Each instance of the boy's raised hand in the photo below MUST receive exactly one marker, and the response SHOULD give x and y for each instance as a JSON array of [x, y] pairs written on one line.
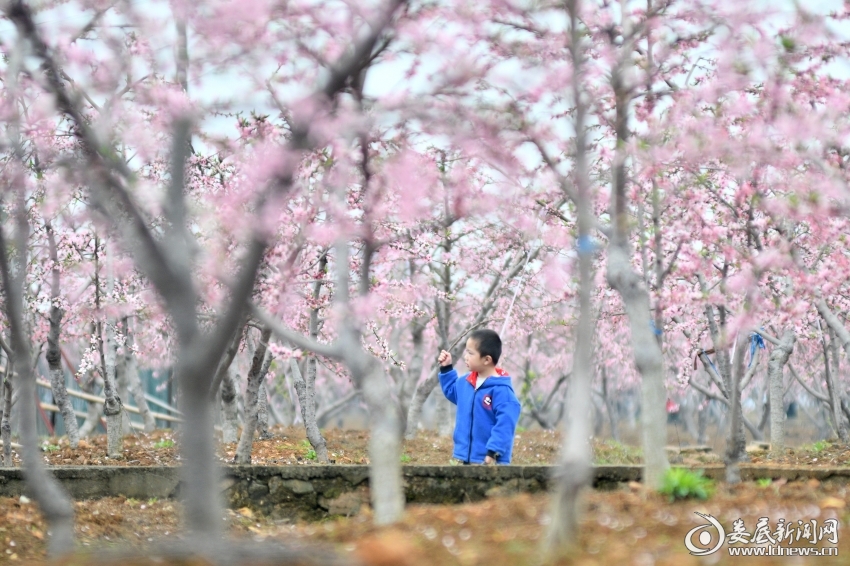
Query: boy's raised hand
[[445, 359]]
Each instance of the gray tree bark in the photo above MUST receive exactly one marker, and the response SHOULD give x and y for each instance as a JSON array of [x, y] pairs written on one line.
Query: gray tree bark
[[134, 383], [574, 471], [307, 401], [609, 407], [834, 399], [230, 414], [843, 336], [841, 427], [281, 407], [420, 395], [112, 406], [702, 425], [123, 387], [305, 388], [227, 361], [263, 412], [718, 338], [93, 410], [6, 421], [54, 354], [735, 444], [384, 445], [835, 324], [255, 377], [633, 292], [775, 377], [54, 503], [413, 373]]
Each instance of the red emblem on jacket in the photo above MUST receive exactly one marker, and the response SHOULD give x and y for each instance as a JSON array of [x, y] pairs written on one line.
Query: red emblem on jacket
[[488, 402]]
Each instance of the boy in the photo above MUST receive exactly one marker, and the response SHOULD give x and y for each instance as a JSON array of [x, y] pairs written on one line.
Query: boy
[[487, 407]]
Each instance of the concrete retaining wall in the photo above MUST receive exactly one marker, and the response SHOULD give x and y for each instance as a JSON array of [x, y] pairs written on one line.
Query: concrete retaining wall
[[312, 492]]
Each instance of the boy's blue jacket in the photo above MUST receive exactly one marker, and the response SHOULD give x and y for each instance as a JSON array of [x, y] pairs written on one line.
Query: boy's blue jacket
[[486, 418]]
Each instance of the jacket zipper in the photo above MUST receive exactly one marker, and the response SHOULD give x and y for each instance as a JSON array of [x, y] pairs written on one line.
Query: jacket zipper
[[471, 415]]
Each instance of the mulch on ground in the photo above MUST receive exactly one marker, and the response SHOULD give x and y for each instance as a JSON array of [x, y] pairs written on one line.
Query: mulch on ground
[[289, 446], [629, 525]]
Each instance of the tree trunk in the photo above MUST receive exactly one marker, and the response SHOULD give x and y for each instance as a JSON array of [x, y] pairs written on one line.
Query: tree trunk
[[307, 401], [573, 474], [420, 395], [121, 382], [6, 423], [735, 444], [281, 408], [702, 423], [834, 398], [635, 296], [93, 410], [414, 370], [574, 471], [230, 421], [841, 429], [444, 416], [306, 388], [255, 379], [54, 355], [112, 406], [134, 384], [263, 413], [835, 324], [718, 335], [225, 384], [609, 407], [775, 377], [385, 479], [54, 503], [227, 361], [648, 360]]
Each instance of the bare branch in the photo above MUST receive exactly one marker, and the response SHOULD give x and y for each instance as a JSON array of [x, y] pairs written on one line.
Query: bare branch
[[770, 338], [705, 391], [810, 390], [295, 338]]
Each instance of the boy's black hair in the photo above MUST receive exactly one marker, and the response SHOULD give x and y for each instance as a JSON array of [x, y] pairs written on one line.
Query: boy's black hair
[[488, 343]]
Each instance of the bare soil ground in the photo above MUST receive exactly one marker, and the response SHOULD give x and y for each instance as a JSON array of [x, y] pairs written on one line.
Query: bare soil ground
[[629, 525], [626, 526], [290, 446]]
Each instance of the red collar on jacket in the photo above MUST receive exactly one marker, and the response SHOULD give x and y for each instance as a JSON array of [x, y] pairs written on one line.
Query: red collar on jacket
[[473, 376]]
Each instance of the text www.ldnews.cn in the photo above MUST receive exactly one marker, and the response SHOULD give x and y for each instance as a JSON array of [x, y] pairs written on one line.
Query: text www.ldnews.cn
[[781, 551]]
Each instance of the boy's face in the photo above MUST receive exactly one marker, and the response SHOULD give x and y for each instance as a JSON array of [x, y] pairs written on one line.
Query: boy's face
[[473, 359]]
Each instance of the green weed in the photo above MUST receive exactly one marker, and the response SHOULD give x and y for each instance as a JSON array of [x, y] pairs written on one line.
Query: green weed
[[611, 452], [405, 459], [681, 483], [164, 443], [764, 482]]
